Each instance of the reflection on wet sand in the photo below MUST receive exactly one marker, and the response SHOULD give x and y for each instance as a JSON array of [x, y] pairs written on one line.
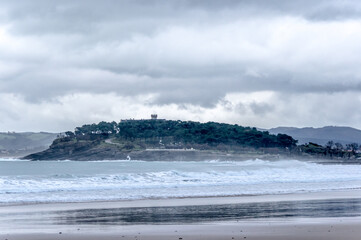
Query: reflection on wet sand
[[207, 213]]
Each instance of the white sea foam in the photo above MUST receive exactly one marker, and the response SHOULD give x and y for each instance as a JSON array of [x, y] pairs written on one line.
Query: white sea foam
[[112, 161], [12, 160], [86, 181]]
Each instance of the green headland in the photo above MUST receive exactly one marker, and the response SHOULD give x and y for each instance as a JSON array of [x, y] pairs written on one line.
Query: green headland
[[157, 139]]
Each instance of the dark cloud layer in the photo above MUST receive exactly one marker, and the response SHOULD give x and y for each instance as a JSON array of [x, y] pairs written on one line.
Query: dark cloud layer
[[194, 54]]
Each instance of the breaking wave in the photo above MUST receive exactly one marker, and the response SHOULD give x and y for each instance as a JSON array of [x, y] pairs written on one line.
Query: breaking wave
[[86, 181]]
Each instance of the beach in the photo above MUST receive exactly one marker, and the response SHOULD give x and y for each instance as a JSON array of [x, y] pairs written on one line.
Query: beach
[[180, 120], [252, 199], [300, 229], [318, 215]]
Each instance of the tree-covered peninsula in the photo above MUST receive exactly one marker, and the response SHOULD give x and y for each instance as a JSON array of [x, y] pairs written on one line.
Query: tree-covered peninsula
[[167, 133], [161, 139], [158, 139]]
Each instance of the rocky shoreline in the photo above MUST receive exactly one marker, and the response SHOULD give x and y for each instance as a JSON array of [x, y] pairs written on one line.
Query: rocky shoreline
[[112, 152]]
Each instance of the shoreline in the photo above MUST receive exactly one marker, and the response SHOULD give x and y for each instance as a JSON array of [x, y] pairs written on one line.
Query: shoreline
[[225, 157], [99, 220], [110, 151], [188, 201]]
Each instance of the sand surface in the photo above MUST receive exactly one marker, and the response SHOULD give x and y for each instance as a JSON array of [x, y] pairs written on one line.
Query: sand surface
[[68, 221], [330, 228]]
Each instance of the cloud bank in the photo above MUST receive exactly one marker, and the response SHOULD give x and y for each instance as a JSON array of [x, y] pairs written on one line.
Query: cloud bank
[[67, 63]]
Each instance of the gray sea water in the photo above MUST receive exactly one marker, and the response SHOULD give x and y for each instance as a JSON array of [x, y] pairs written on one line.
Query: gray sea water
[[73, 181]]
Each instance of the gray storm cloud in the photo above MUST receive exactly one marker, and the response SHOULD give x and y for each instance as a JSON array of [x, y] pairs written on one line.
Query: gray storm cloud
[[65, 56]]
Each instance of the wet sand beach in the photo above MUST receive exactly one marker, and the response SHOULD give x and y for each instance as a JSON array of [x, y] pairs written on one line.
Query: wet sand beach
[[326, 215], [330, 228]]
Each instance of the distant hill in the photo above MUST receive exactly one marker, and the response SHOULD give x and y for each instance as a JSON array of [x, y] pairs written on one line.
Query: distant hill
[[158, 139], [19, 144], [343, 135]]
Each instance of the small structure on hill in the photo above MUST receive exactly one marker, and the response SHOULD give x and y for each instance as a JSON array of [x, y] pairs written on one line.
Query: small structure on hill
[[154, 116]]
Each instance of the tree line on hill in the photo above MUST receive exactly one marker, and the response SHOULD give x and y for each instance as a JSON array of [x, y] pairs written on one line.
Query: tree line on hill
[[169, 132]]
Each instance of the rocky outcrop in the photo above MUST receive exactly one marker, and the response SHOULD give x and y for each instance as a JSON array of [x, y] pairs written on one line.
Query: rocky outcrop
[[98, 149]]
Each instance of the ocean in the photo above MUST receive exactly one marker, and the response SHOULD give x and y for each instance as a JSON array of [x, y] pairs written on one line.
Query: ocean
[[23, 182]]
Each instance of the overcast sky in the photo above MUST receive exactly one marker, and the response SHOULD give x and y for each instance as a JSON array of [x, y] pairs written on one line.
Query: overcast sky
[[255, 63]]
